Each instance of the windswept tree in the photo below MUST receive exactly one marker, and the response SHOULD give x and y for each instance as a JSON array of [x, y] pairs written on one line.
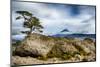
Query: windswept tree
[[30, 21]]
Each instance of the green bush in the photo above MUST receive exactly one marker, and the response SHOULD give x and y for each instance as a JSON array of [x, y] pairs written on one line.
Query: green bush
[[66, 56], [42, 58], [80, 49], [55, 51], [89, 40]]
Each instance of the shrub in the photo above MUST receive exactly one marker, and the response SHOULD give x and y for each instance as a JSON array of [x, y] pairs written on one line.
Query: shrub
[[89, 40], [55, 51], [80, 49], [42, 58], [66, 56]]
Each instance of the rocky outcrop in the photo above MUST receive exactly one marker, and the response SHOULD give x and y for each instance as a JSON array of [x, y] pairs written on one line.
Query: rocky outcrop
[[41, 48], [34, 45]]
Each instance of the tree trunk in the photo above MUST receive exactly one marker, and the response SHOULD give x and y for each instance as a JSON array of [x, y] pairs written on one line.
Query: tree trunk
[[30, 30]]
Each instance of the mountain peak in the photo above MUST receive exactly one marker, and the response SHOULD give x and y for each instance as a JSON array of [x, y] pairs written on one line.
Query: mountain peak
[[65, 30]]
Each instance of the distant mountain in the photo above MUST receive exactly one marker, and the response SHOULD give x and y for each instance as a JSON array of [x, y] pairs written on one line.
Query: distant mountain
[[75, 35], [65, 30]]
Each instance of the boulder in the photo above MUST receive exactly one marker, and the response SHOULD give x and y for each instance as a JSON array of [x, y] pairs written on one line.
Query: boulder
[[34, 46]]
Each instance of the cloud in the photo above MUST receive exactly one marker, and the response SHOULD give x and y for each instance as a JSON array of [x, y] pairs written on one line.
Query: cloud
[[56, 17]]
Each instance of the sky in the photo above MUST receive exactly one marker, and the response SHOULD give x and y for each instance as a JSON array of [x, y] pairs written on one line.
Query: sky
[[74, 19]]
